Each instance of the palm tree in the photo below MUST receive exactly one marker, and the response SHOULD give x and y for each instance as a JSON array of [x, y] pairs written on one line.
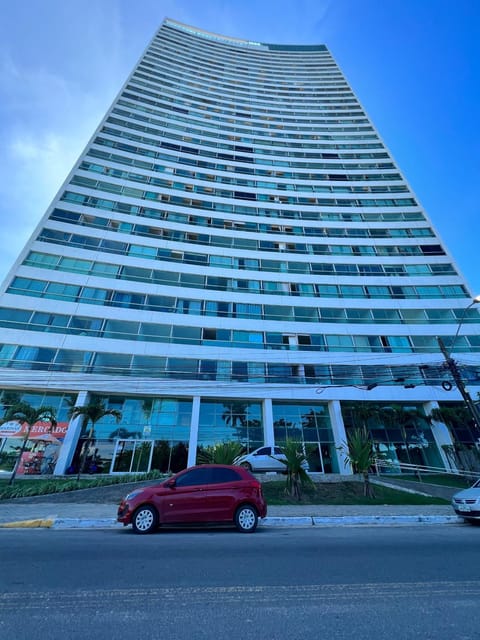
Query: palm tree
[[451, 416], [297, 476], [92, 412], [458, 454], [363, 413], [360, 453], [24, 413], [220, 453]]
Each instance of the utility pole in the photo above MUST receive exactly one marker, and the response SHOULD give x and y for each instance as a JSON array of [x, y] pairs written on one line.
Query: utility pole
[[452, 367]]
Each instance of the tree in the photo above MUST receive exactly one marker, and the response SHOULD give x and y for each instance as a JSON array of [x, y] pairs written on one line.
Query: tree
[[360, 453], [161, 455], [220, 453], [92, 412], [124, 434], [24, 413], [9, 399], [459, 454], [454, 416], [297, 476], [364, 413], [178, 457]]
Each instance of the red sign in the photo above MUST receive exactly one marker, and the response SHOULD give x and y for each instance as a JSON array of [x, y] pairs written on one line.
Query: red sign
[[14, 429]]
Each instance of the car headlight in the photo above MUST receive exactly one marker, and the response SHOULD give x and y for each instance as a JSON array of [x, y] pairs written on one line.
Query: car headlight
[[134, 494]]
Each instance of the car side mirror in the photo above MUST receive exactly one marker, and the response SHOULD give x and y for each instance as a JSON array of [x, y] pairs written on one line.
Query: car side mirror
[[170, 483]]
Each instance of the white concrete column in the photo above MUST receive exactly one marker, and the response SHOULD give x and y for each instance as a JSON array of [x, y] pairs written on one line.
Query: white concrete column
[[268, 433], [339, 436], [441, 435], [193, 442], [71, 437]]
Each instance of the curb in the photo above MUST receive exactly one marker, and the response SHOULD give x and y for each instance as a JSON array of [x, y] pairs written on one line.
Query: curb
[[386, 520], [283, 521], [85, 523], [340, 521], [45, 523], [286, 521]]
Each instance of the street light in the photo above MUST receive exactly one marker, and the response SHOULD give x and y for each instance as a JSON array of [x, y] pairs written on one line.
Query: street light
[[452, 366], [475, 301]]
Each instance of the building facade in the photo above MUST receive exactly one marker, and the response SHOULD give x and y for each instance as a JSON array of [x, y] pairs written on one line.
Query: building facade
[[237, 256]]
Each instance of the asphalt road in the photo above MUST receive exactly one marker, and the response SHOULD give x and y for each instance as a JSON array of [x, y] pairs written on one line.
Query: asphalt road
[[352, 582]]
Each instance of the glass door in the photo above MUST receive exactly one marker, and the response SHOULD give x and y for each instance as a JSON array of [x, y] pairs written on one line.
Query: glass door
[[313, 454], [132, 456]]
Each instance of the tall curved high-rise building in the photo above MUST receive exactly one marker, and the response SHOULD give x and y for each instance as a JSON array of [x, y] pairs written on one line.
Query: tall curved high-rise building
[[237, 256]]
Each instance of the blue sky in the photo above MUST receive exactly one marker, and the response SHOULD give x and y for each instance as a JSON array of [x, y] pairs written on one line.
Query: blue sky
[[414, 64]]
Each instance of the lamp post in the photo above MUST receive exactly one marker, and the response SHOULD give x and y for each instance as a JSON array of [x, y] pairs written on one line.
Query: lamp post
[[453, 368]]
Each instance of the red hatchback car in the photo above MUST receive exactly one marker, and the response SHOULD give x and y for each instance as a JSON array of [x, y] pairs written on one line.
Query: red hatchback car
[[207, 494]]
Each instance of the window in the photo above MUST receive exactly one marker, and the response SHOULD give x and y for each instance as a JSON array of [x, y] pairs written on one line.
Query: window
[[186, 335], [359, 315], [128, 300], [240, 371], [112, 363], [304, 341], [41, 260], [417, 269], [339, 343], [399, 344], [327, 290], [351, 291], [253, 338], [279, 373], [95, 296], [208, 369], [242, 310], [219, 476], [378, 292], [60, 291], [432, 250], [193, 478], [182, 368], [192, 307], [385, 315], [332, 315], [148, 366], [160, 303], [305, 314]]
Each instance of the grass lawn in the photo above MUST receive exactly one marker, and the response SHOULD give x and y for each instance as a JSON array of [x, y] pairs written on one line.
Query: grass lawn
[[274, 491], [344, 493], [444, 480]]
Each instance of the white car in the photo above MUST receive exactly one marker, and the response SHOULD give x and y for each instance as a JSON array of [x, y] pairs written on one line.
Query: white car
[[265, 459], [466, 503]]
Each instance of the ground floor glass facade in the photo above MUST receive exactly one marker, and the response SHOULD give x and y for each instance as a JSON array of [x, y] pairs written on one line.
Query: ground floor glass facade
[[166, 433]]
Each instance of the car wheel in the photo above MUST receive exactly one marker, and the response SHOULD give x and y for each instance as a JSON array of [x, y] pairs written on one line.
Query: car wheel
[[145, 519], [473, 521], [246, 518], [246, 465]]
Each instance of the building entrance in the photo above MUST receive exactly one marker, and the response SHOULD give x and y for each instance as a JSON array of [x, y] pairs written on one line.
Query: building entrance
[[132, 456]]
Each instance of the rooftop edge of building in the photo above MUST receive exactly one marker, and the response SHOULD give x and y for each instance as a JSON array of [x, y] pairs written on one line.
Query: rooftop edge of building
[[208, 35]]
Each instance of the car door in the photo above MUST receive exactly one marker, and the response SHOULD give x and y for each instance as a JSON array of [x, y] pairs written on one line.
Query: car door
[[261, 460], [186, 500], [225, 492]]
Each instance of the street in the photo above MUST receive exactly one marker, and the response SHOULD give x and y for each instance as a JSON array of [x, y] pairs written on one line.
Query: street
[[361, 582]]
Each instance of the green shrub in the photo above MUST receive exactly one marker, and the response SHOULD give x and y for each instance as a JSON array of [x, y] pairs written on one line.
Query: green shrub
[[26, 488]]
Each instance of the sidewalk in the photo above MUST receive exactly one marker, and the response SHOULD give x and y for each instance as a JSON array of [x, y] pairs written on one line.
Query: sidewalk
[[67, 515]]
